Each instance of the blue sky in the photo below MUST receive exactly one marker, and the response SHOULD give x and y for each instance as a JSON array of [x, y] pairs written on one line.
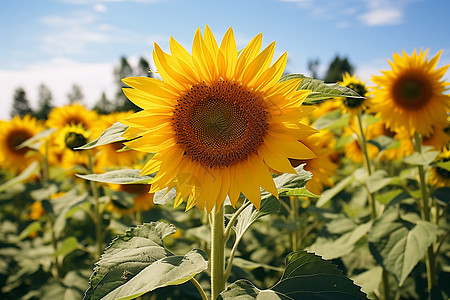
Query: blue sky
[[62, 42]]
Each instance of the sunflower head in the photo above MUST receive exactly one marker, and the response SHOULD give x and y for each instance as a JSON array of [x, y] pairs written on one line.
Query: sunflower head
[[354, 105], [74, 114], [410, 96], [73, 136], [440, 177], [218, 120], [12, 134], [143, 200]]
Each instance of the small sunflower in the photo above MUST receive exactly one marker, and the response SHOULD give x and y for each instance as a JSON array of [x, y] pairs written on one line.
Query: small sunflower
[[411, 97], [143, 200], [438, 139], [354, 105], [12, 134], [218, 120], [322, 166], [109, 156], [75, 114], [69, 138], [440, 177]]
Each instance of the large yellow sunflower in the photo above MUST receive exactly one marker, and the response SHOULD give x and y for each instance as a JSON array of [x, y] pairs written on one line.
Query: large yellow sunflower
[[75, 114], [218, 120], [411, 96], [354, 105], [12, 134]]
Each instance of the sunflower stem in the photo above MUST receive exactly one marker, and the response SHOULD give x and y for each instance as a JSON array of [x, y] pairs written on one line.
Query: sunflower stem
[[430, 257], [294, 218], [98, 216], [233, 219], [199, 288], [217, 261], [373, 211]]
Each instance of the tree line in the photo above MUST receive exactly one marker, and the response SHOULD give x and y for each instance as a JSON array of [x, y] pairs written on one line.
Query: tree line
[[21, 105]]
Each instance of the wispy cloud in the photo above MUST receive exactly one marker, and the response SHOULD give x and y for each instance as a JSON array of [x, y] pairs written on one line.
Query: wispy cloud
[[100, 7], [384, 12]]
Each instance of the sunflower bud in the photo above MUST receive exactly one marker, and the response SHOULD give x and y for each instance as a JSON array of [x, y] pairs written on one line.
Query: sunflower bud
[[74, 140]]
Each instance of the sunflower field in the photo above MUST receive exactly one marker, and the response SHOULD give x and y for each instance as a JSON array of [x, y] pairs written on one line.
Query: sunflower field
[[234, 181]]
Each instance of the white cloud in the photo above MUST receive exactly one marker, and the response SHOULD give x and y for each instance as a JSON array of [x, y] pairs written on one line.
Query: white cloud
[[382, 16], [100, 7], [59, 75]]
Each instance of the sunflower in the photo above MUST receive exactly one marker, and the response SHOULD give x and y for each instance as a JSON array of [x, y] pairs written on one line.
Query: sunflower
[[322, 166], [143, 200], [354, 105], [411, 96], [69, 138], [12, 134], [218, 120], [36, 210], [440, 177], [75, 114], [109, 156], [323, 108], [438, 139]]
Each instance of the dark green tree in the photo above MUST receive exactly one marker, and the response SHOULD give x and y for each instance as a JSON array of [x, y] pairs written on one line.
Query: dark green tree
[[21, 105], [44, 103], [104, 106], [75, 95], [337, 68], [122, 71], [143, 68]]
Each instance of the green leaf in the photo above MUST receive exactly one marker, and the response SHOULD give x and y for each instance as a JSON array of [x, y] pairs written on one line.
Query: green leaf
[[62, 206], [124, 176], [369, 280], [32, 169], [377, 181], [32, 227], [398, 245], [327, 195], [292, 181], [69, 244], [300, 192], [140, 254], [424, 158], [110, 135], [250, 214], [384, 142], [306, 276], [163, 196], [251, 265], [321, 90], [35, 141], [172, 270], [387, 197], [332, 120], [334, 248]]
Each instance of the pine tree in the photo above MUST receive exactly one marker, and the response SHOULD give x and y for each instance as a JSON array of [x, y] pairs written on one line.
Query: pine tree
[[122, 71], [104, 106], [44, 102], [21, 105], [337, 68], [75, 95]]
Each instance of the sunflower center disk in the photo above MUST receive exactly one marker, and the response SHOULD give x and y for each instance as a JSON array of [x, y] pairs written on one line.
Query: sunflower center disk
[[412, 92], [220, 124]]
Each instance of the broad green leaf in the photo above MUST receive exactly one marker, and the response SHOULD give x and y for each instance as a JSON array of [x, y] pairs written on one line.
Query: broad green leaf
[[387, 197], [141, 249], [110, 135], [62, 206], [69, 244], [332, 120], [424, 158], [344, 140], [321, 90], [327, 195], [32, 169], [369, 280], [384, 142], [444, 165], [442, 194], [292, 181], [334, 248], [251, 265], [172, 270], [306, 276], [377, 181], [124, 176], [250, 214], [36, 141], [163, 196], [398, 245]]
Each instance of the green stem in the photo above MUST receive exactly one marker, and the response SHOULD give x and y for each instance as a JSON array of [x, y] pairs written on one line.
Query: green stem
[[199, 288], [217, 260], [294, 218], [98, 216], [233, 218], [373, 210], [430, 261]]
